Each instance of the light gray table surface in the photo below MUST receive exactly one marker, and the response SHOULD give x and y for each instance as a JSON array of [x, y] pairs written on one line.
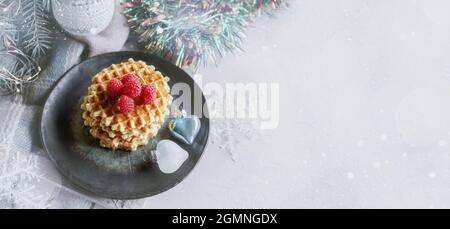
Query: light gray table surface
[[363, 115], [364, 120]]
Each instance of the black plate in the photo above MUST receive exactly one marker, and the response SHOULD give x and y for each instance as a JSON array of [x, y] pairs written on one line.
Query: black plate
[[112, 174]]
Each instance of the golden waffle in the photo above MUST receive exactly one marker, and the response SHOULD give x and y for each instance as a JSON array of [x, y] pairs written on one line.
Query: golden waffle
[[117, 142], [114, 129]]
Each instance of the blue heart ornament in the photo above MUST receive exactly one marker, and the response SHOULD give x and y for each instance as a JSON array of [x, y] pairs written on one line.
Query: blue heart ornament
[[185, 128]]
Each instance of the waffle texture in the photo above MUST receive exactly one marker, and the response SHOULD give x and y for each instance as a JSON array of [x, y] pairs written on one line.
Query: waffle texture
[[114, 129]]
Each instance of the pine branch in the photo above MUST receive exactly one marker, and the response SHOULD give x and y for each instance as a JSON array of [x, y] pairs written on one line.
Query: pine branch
[[38, 38], [47, 5], [26, 30], [26, 24], [8, 30], [7, 33], [5, 3]]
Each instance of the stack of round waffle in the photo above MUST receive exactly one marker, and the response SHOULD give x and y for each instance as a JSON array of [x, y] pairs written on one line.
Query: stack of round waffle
[[125, 131]]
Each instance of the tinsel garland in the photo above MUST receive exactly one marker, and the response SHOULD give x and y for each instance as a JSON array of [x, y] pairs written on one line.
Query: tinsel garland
[[190, 33]]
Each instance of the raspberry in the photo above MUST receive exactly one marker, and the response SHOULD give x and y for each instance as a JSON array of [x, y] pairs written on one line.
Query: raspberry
[[115, 88], [132, 89], [148, 94], [129, 77], [125, 104]]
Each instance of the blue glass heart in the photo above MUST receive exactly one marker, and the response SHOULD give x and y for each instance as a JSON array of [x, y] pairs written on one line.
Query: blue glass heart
[[185, 128]]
